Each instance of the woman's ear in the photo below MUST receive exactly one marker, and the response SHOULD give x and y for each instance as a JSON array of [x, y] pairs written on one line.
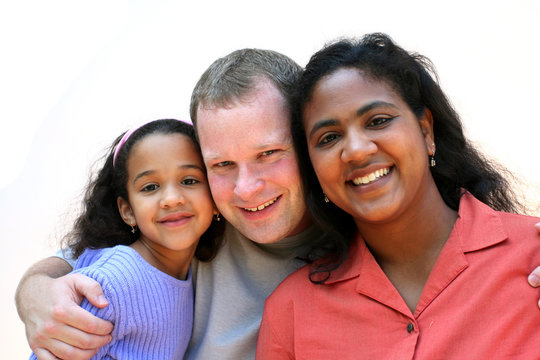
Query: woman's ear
[[126, 212], [426, 124]]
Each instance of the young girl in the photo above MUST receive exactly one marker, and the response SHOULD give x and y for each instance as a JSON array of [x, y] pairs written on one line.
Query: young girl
[[147, 213]]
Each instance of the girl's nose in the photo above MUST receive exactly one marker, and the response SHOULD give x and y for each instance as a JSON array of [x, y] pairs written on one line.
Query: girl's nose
[[172, 196]]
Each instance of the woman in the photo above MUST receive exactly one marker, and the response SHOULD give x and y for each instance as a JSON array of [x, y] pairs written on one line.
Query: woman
[[416, 215]]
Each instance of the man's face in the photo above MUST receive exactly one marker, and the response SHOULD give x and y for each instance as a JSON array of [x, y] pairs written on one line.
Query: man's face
[[252, 168]]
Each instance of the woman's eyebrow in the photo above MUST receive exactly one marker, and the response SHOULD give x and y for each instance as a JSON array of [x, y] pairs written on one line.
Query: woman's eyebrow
[[320, 124], [364, 109], [375, 104]]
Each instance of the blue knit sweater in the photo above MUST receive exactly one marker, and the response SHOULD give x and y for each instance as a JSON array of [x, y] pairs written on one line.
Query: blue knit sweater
[[152, 312]]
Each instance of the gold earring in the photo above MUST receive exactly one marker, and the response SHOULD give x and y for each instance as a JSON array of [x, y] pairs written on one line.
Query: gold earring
[[326, 200]]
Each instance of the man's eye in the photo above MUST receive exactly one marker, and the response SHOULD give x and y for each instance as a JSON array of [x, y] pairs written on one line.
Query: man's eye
[[268, 152], [150, 187], [223, 164]]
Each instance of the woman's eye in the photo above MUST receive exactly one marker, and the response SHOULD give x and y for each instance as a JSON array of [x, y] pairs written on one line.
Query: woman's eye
[[328, 139], [150, 187], [190, 181], [380, 121]]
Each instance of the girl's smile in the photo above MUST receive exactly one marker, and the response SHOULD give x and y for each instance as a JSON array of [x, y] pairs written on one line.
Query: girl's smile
[[175, 220], [169, 199]]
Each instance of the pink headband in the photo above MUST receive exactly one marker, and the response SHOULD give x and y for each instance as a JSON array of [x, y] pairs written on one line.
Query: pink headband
[[128, 134]]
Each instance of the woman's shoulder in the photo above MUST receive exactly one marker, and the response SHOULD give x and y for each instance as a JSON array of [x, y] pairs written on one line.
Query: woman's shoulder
[[521, 226], [294, 284], [481, 217]]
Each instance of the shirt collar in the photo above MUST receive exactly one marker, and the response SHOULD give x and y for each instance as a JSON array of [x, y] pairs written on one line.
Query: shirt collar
[[478, 226]]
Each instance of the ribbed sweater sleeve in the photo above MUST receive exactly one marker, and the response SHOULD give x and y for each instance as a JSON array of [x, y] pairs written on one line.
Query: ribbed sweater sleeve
[[152, 312]]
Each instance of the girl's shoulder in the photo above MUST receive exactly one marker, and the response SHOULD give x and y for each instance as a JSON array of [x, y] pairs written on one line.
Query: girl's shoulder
[[112, 266], [92, 257], [123, 268]]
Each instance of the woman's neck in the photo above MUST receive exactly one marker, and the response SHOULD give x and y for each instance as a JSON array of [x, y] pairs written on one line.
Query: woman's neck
[[408, 247]]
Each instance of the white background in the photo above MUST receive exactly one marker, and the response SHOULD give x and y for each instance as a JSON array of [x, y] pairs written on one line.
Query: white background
[[74, 74]]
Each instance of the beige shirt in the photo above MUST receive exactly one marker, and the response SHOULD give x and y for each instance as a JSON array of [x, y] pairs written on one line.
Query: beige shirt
[[230, 292]]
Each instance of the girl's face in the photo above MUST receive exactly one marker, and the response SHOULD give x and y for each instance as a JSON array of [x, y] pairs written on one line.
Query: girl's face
[[169, 199], [369, 151]]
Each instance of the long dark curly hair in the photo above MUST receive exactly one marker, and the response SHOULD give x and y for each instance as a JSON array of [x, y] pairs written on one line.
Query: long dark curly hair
[[459, 165], [100, 224]]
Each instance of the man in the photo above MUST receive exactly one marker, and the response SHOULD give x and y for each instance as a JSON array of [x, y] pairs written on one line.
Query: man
[[240, 108]]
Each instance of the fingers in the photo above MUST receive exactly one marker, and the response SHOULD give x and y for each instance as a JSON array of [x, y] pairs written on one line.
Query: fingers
[[58, 325], [43, 354], [82, 329], [534, 277], [60, 350], [78, 317], [90, 289], [75, 344]]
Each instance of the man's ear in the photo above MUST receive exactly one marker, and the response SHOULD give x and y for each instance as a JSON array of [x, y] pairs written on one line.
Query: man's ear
[[126, 212]]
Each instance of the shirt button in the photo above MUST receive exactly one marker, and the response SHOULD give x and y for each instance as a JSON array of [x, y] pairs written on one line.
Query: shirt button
[[410, 328]]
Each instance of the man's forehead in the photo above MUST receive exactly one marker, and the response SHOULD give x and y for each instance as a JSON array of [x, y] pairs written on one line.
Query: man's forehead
[[243, 141], [261, 87], [247, 127]]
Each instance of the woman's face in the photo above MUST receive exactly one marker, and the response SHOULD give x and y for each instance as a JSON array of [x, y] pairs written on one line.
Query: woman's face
[[370, 152]]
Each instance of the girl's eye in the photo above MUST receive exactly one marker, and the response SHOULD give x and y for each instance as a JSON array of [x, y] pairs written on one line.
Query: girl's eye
[[380, 121], [150, 187], [328, 139], [190, 181]]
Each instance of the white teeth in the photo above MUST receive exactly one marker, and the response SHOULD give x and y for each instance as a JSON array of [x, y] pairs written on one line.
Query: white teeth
[[260, 207], [371, 177]]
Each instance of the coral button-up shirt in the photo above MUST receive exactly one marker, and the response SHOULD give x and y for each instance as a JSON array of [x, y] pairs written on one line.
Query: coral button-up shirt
[[476, 304]]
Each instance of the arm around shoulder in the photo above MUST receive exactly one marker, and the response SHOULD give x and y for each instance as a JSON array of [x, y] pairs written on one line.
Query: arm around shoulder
[[34, 280], [48, 303]]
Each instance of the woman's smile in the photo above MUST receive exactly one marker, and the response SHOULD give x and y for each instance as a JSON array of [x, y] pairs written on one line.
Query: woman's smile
[[371, 177], [368, 149]]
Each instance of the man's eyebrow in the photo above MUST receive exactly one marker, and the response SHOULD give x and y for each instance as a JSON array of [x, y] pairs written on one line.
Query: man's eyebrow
[[364, 109], [212, 158]]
